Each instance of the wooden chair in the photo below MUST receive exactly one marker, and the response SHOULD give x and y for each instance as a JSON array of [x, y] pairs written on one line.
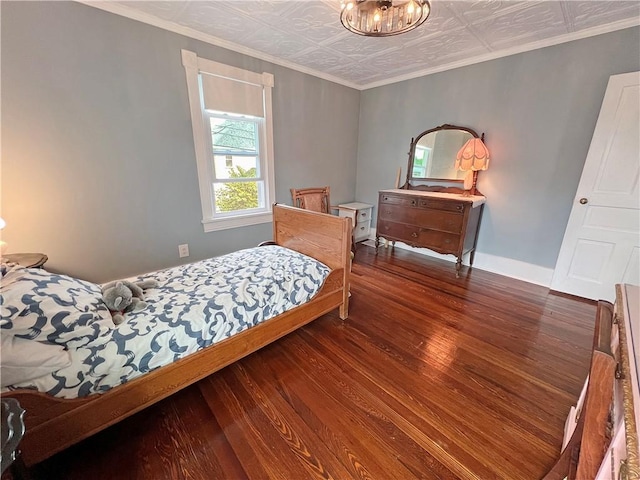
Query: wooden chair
[[316, 199]]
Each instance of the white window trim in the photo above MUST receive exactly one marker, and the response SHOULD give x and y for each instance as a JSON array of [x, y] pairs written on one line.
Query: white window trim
[[193, 65]]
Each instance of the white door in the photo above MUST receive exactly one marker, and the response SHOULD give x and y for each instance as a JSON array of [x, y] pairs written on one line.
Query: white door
[[601, 246]]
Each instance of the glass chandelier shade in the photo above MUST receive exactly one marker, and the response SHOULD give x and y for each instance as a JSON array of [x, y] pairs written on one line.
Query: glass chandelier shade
[[474, 155], [382, 18]]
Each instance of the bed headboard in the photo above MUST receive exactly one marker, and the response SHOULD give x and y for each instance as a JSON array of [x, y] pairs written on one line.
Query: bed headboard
[[324, 237]]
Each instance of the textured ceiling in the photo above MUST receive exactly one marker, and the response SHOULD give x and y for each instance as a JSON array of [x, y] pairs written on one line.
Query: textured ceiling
[[307, 34]]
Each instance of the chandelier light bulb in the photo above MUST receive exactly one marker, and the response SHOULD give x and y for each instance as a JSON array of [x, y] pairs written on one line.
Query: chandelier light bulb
[[382, 18]]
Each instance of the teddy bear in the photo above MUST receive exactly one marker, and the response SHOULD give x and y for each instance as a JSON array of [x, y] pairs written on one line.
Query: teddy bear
[[123, 296]]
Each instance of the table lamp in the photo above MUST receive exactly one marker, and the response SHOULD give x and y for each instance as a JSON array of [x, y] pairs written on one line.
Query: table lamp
[[473, 156]]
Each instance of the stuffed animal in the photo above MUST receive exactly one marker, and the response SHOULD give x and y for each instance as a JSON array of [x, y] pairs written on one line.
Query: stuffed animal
[[123, 296]]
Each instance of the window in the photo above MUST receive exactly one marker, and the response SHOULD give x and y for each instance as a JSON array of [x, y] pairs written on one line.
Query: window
[[233, 136], [421, 164]]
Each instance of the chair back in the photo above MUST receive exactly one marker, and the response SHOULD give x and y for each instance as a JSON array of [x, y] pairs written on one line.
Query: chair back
[[315, 199]]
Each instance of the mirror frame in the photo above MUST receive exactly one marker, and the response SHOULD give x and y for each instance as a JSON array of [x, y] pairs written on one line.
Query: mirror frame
[[414, 142]]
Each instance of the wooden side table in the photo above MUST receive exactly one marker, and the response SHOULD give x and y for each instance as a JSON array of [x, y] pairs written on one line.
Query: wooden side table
[[360, 214], [28, 260]]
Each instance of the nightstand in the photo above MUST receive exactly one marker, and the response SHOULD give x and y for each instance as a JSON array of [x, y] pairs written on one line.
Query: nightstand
[[29, 260], [360, 214]]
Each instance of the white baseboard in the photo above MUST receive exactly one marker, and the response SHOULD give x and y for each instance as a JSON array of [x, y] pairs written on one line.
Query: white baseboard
[[508, 267]]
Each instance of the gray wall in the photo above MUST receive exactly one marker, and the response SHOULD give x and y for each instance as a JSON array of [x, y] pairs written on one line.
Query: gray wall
[[538, 110], [98, 166]]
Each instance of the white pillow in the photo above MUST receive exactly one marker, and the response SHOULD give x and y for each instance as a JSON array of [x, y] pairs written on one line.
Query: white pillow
[[53, 308], [22, 360]]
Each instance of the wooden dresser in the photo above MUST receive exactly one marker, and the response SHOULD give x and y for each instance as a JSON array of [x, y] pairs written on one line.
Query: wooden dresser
[[446, 223]]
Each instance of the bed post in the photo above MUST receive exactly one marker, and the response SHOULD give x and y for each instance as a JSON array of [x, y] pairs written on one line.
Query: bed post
[[347, 234]]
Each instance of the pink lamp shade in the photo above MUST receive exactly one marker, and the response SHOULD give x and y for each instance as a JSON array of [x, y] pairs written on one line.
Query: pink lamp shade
[[474, 155]]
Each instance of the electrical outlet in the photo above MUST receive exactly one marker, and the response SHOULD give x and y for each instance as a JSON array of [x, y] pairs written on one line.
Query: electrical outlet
[[183, 250]]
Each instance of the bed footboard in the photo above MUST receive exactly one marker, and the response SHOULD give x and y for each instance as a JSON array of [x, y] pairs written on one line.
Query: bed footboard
[[324, 237]]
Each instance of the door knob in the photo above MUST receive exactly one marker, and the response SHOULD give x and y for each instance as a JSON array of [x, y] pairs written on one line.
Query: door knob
[[583, 201]]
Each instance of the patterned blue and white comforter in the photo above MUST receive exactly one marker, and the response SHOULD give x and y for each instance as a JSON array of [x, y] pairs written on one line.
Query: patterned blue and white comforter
[[193, 306]]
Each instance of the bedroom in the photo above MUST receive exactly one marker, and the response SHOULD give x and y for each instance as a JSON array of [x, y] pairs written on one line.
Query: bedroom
[[98, 166]]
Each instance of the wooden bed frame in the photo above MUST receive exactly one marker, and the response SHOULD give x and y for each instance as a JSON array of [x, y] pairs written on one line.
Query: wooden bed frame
[[53, 424]]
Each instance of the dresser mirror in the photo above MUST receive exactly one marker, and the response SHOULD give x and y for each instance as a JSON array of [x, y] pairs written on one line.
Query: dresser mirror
[[433, 153]]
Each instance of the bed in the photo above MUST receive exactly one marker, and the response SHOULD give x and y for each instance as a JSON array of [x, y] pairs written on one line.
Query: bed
[[54, 423]]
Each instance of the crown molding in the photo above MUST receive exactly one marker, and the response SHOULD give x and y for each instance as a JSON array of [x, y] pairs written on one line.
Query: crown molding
[[133, 14], [549, 42]]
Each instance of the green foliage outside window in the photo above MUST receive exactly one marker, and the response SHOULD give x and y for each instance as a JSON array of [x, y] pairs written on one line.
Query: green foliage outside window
[[238, 195]]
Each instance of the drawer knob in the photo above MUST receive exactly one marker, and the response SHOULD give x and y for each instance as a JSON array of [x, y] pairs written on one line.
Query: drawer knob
[[413, 202], [386, 227], [363, 214], [448, 240], [414, 235], [362, 228], [459, 208]]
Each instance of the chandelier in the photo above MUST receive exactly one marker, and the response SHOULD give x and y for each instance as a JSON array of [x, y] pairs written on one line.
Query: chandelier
[[382, 18]]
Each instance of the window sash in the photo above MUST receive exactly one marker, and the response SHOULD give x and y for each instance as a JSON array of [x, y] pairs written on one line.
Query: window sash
[[258, 124], [216, 179]]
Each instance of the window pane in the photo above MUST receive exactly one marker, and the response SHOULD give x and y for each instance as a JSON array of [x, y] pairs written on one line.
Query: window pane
[[235, 196], [234, 135], [235, 166]]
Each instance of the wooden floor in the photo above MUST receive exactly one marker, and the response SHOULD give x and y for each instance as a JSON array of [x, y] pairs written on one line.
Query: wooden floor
[[430, 377]]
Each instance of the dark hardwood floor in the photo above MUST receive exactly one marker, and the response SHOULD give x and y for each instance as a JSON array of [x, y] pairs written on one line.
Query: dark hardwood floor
[[430, 377]]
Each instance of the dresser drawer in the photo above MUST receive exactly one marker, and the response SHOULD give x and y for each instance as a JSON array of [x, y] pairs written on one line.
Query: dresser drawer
[[431, 219], [422, 202], [361, 231], [364, 215], [419, 237]]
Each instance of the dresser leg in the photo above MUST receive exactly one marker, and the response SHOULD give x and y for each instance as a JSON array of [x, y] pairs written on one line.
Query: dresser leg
[[377, 243], [458, 267], [473, 253]]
